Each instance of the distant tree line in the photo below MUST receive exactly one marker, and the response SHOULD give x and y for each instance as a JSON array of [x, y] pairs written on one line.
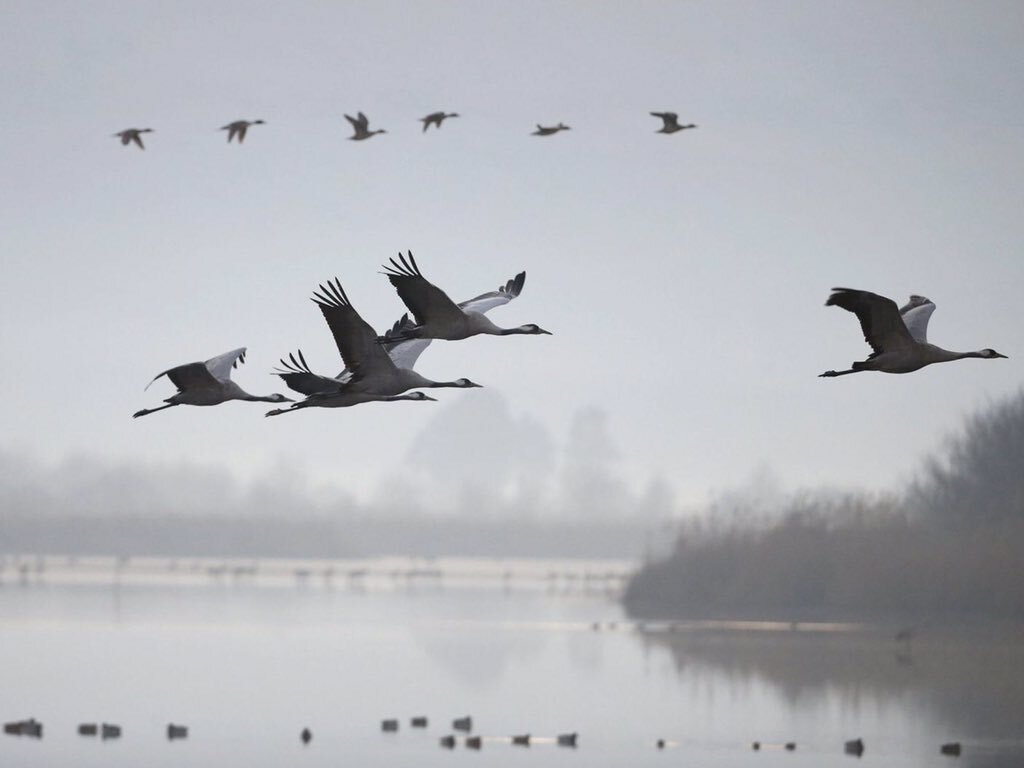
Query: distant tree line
[[950, 545]]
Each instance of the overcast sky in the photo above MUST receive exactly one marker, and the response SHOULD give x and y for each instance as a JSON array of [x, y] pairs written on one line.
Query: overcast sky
[[874, 145]]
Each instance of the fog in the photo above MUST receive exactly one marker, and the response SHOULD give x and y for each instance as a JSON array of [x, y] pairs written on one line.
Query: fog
[[477, 479]]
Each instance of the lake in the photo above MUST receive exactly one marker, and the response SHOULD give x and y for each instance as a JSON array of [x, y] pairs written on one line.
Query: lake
[[247, 654]]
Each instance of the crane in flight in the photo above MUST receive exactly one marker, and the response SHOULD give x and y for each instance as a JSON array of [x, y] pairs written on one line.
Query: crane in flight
[[208, 383], [897, 336], [437, 316]]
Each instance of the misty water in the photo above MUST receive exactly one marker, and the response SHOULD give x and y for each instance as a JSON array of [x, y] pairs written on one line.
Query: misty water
[[247, 656]]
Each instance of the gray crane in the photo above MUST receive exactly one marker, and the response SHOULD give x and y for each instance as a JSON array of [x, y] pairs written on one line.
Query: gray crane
[[898, 336], [208, 383], [436, 315]]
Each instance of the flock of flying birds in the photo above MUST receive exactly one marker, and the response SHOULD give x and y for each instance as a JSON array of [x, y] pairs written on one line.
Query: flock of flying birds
[[361, 127], [377, 368], [380, 368]]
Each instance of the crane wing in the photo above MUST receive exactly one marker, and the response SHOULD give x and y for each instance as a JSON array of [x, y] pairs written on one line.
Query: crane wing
[[405, 353], [916, 313], [488, 301], [221, 365], [424, 299], [879, 318], [188, 376], [356, 339], [297, 375]]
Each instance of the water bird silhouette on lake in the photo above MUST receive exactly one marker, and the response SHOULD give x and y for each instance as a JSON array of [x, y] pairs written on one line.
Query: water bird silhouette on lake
[[436, 118], [237, 129], [436, 315], [670, 122], [361, 127], [31, 728], [129, 135], [898, 337], [208, 383], [550, 129]]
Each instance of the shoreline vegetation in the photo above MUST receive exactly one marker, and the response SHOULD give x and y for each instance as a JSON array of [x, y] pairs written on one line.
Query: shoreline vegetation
[[948, 548]]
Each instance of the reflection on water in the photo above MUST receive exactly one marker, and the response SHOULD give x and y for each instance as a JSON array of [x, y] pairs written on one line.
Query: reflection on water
[[249, 655], [965, 684]]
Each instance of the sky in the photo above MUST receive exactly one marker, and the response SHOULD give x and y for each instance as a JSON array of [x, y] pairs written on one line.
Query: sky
[[873, 145]]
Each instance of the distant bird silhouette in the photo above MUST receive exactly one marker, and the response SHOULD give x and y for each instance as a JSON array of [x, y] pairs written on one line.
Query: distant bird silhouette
[[548, 130], [898, 337], [670, 122], [207, 383], [436, 315], [129, 135], [306, 735], [463, 723], [31, 727], [854, 747], [436, 118], [361, 126], [237, 129]]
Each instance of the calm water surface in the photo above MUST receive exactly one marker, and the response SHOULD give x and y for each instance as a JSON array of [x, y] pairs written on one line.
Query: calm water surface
[[248, 660]]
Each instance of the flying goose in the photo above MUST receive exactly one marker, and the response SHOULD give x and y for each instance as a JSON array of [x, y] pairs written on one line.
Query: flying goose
[[208, 383], [237, 129], [671, 122], [436, 118], [550, 129], [437, 316], [361, 126], [129, 135], [898, 337]]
